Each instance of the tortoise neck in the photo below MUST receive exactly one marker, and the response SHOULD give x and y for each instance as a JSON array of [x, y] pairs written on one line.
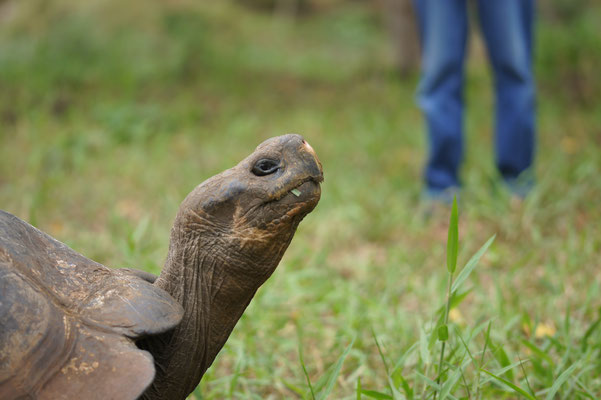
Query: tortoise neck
[[213, 302]]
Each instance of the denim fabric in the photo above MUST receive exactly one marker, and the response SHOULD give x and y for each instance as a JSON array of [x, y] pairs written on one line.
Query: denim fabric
[[507, 28]]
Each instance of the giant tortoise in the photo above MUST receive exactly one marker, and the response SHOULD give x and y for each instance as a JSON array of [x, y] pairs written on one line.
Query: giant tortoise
[[71, 328]]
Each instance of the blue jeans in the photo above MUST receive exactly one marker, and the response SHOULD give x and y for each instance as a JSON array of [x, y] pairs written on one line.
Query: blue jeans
[[507, 29]]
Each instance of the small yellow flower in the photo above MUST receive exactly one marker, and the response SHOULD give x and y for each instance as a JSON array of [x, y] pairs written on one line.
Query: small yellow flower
[[456, 316], [544, 329]]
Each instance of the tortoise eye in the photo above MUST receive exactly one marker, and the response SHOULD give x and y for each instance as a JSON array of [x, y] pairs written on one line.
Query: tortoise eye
[[265, 166]]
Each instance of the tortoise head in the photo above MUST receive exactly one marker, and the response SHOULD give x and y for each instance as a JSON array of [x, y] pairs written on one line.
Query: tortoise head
[[228, 237], [250, 212]]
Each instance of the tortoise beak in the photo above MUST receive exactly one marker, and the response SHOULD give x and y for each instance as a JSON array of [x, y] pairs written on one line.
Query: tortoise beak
[[313, 162]]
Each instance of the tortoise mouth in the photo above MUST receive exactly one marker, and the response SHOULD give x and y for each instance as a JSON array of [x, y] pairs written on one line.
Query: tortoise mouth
[[301, 200], [306, 191]]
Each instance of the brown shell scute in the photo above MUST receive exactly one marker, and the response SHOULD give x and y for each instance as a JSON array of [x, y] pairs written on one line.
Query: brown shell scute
[[101, 366], [27, 338], [133, 307], [66, 320]]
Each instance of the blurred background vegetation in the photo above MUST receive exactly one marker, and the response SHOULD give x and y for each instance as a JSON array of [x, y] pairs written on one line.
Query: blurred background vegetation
[[111, 112]]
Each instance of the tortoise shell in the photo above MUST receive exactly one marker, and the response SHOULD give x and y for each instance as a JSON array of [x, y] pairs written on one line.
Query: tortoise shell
[[68, 325]]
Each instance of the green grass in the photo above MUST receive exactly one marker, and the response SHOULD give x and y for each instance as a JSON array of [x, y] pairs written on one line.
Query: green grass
[[109, 116]]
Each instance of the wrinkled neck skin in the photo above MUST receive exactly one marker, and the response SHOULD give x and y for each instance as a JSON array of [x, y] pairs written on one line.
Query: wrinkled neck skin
[[214, 287]]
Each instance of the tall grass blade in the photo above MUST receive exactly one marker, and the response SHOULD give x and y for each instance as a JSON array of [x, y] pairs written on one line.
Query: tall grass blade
[[501, 356], [540, 354], [589, 332], [471, 264], [396, 395], [333, 374], [467, 350], [300, 355], [293, 388], [586, 391], [502, 371], [481, 363], [515, 388], [450, 383], [452, 245], [560, 381], [406, 388], [428, 381], [453, 237], [486, 341], [381, 353], [376, 395], [458, 298], [525, 375], [401, 362]]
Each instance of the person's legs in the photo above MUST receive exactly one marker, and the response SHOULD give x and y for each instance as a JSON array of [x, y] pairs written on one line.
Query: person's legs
[[443, 31], [507, 26]]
